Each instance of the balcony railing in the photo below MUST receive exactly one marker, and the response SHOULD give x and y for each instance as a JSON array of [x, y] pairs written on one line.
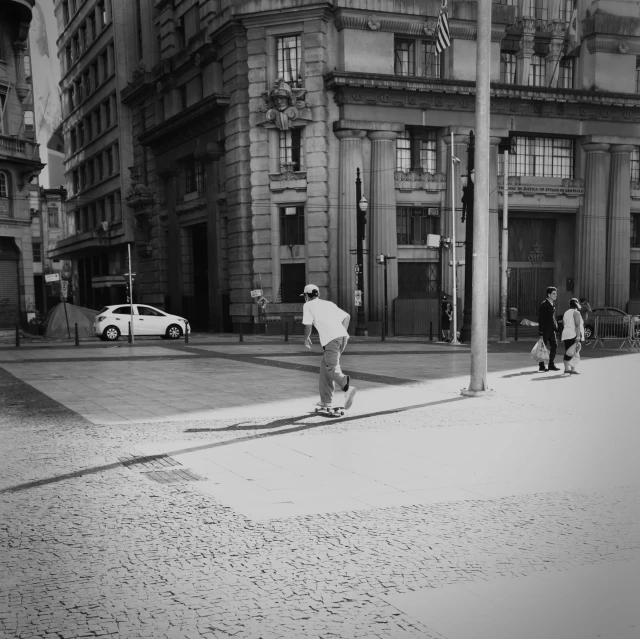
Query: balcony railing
[[18, 147]]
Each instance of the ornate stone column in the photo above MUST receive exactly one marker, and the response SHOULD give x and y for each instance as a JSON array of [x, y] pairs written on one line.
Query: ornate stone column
[[459, 151], [381, 231], [22, 88], [618, 228], [350, 160], [591, 232], [494, 231], [558, 29], [525, 52]]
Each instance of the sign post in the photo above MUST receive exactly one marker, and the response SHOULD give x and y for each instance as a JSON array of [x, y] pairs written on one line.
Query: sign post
[[131, 330]]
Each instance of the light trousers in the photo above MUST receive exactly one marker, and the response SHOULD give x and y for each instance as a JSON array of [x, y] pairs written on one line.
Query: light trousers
[[330, 371]]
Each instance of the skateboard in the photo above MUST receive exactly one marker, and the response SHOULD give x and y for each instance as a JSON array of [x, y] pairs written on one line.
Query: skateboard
[[330, 411]]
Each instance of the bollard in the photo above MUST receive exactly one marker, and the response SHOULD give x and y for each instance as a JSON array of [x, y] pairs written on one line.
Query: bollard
[[286, 331], [186, 331], [77, 336], [17, 336], [241, 336], [516, 329], [431, 331], [129, 337]]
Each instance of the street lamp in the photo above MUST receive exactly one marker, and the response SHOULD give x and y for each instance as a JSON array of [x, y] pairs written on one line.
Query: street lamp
[[468, 196], [384, 259], [361, 221]]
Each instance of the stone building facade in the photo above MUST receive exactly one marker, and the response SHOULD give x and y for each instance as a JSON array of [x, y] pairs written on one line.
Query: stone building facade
[[19, 164], [249, 118]]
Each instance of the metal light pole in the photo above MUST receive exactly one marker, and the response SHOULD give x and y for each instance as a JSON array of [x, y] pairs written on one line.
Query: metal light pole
[[361, 220], [384, 259], [454, 161], [468, 197], [505, 252]]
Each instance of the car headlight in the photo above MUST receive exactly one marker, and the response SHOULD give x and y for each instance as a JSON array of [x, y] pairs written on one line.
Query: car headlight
[[102, 317]]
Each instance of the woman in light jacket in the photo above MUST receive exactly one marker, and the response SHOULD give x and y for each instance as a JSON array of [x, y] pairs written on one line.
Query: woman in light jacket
[[572, 334]]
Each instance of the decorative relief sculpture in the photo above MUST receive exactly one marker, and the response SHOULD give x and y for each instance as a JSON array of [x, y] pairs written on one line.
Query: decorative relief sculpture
[[284, 104], [429, 27], [373, 23]]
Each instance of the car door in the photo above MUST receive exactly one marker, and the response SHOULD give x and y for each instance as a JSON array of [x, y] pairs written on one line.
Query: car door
[[121, 317], [150, 321]]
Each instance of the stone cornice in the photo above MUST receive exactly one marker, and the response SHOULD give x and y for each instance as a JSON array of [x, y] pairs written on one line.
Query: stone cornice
[[458, 95], [597, 43], [158, 134], [138, 90], [281, 16], [603, 23]]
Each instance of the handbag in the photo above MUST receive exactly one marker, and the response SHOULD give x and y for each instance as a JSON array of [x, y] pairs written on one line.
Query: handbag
[[540, 353], [575, 360]]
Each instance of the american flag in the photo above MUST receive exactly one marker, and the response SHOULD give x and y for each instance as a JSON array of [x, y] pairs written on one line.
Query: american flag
[[442, 29]]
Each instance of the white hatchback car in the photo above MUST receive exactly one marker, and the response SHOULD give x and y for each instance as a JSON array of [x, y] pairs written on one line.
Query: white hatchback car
[[113, 321]]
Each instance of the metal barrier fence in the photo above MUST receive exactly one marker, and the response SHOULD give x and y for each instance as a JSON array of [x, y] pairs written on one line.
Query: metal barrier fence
[[625, 328]]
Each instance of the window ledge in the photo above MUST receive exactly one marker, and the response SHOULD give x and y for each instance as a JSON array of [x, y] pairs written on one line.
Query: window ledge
[[288, 180]]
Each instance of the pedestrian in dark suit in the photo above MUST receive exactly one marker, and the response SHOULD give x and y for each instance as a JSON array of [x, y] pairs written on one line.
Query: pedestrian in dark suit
[[548, 325]]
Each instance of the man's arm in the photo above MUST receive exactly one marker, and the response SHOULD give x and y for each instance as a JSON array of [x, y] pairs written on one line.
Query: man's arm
[[307, 335]]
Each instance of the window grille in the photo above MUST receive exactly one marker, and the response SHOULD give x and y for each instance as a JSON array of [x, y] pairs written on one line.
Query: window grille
[[634, 164], [290, 148], [415, 223], [507, 67], [289, 58], [566, 10], [565, 73], [292, 226], [537, 71], [194, 176], [403, 152], [404, 56], [427, 153], [541, 157], [37, 253], [4, 185], [418, 278], [537, 9]]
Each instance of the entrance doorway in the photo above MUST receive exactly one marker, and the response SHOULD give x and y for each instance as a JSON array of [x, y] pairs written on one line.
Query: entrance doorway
[[195, 298]]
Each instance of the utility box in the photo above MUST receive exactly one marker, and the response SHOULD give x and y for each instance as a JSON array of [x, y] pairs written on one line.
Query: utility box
[[513, 314]]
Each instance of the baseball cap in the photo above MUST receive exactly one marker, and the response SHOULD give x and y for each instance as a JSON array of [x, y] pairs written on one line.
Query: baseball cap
[[309, 289]]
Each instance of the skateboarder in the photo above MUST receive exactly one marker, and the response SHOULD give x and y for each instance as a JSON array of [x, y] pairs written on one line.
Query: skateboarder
[[331, 323]]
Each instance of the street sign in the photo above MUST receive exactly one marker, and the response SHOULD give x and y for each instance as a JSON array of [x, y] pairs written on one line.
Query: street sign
[[52, 277], [256, 293], [358, 298], [262, 302]]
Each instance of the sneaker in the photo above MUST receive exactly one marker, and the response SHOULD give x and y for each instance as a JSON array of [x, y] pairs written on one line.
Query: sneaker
[[323, 405], [348, 397], [553, 367], [542, 368]]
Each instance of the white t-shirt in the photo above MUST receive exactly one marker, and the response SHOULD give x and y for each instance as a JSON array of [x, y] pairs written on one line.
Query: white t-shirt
[[327, 318], [569, 329]]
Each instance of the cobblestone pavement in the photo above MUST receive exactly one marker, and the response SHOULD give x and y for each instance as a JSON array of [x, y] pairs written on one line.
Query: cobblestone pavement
[[91, 546]]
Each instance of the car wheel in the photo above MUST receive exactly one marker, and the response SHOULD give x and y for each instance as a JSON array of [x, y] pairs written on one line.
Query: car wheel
[[174, 332], [588, 332], [111, 333]]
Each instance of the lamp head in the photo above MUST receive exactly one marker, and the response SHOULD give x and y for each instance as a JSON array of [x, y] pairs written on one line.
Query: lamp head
[[363, 204]]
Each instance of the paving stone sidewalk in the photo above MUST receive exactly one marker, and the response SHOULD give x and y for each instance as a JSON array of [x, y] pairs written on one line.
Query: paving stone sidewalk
[[90, 546]]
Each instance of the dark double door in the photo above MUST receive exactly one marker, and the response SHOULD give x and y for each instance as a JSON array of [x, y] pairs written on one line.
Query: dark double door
[[526, 287]]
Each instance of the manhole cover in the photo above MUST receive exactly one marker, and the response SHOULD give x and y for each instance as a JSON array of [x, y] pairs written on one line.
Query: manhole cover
[[160, 468], [148, 462]]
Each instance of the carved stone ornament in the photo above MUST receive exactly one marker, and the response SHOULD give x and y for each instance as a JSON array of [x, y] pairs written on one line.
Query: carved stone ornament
[[139, 196], [429, 27], [536, 254], [197, 60], [283, 104], [139, 70], [575, 183], [159, 87], [373, 23], [623, 47]]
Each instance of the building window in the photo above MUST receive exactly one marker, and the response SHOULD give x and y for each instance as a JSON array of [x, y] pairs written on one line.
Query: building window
[[418, 279], [634, 164], [27, 66], [37, 253], [102, 12], [415, 223], [194, 178], [139, 30], [565, 74], [28, 120], [81, 134], [107, 113], [65, 13], [76, 46], [99, 167], [291, 225], [74, 140], [507, 67], [4, 185], [95, 75], [104, 65], [416, 151], [72, 103], [68, 56], [79, 90], [566, 10], [86, 78], [635, 230], [92, 24], [84, 36], [98, 119], [110, 160], [289, 58], [290, 147], [90, 171], [537, 9], [76, 182], [404, 57], [54, 221], [432, 61], [541, 157], [537, 71]]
